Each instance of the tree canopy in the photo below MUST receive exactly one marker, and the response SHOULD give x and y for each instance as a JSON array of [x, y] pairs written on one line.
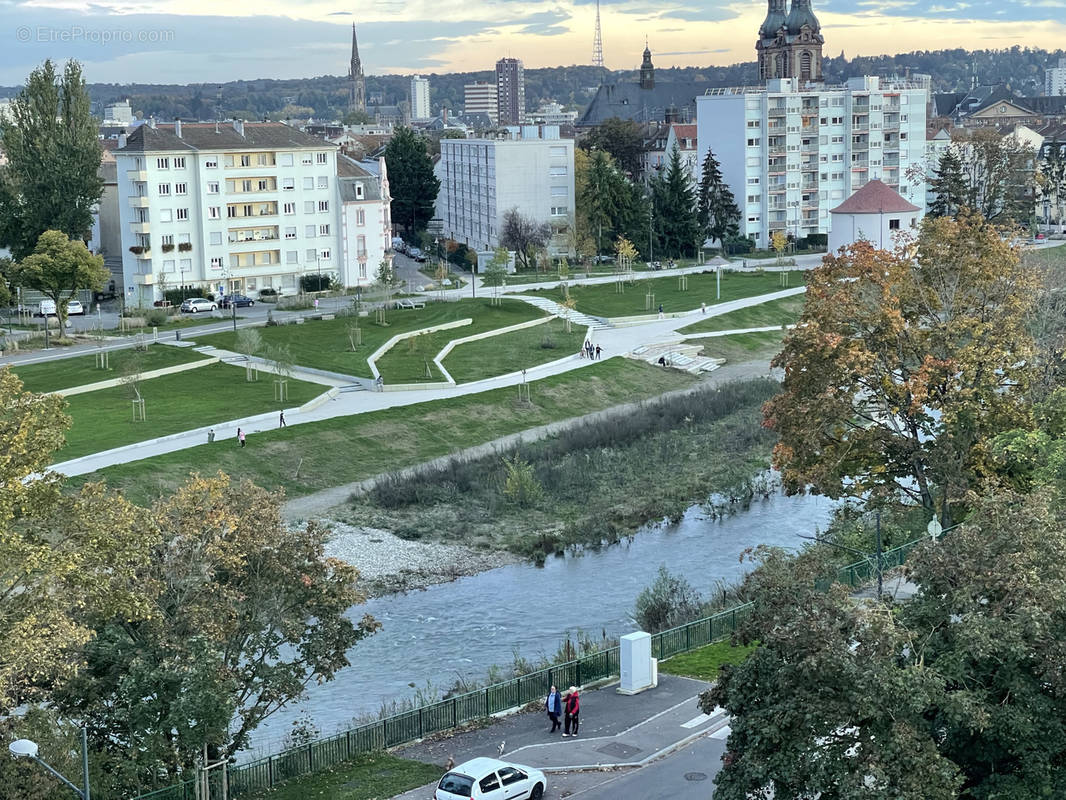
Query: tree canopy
[[412, 184], [675, 215], [622, 140], [717, 212], [58, 267], [524, 235]]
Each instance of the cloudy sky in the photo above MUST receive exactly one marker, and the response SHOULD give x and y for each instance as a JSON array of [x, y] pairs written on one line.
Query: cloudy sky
[[167, 41]]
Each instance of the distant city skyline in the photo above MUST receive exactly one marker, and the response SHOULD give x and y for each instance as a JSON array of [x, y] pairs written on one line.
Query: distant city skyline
[[169, 42]]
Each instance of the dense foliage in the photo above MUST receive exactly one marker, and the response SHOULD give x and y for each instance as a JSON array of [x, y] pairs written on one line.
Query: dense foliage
[[412, 183]]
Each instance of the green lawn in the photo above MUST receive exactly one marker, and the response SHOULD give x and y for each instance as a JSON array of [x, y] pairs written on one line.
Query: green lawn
[[603, 299], [324, 344], [375, 776], [1046, 257], [66, 373], [784, 311], [319, 455], [509, 352], [173, 403], [741, 347], [704, 663], [408, 360]]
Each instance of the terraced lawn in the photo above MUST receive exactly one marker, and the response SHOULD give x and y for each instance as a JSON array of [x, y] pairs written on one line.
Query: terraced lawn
[[513, 351], [66, 373], [784, 311], [741, 347]]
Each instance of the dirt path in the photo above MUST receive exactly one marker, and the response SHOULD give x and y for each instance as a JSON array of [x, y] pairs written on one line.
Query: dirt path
[[320, 503]]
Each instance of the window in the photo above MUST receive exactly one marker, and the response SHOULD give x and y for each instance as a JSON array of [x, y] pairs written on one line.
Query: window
[[306, 159], [753, 181], [246, 186], [557, 151], [216, 262], [753, 123], [164, 189], [754, 198], [309, 231], [183, 238], [285, 159], [292, 256], [181, 188], [321, 158], [162, 163], [289, 208], [309, 206], [509, 775], [754, 142], [168, 266], [247, 211], [836, 121], [263, 160], [323, 230], [216, 237], [246, 161], [179, 162], [557, 172], [212, 187], [182, 214], [358, 191], [489, 784], [263, 185], [893, 224], [837, 140], [231, 211], [211, 162], [309, 183], [559, 211], [360, 217], [323, 205], [324, 255], [323, 181], [290, 233], [312, 254], [168, 238], [288, 183], [214, 212]]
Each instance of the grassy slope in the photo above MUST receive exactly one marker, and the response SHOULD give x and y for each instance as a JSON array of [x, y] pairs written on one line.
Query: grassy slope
[[603, 299], [324, 343], [784, 311], [173, 403], [406, 361], [704, 663], [305, 458], [741, 347], [513, 351], [374, 776], [81, 370]]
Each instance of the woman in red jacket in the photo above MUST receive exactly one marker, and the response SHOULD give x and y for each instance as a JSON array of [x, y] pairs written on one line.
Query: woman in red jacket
[[573, 708]]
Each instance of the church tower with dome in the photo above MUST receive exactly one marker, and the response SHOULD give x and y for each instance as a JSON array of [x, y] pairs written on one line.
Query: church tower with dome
[[790, 44]]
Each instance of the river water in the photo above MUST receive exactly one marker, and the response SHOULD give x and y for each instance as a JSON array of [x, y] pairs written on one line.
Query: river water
[[460, 628]]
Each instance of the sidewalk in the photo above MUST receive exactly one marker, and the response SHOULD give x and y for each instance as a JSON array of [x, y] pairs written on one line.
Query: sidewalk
[[617, 731]]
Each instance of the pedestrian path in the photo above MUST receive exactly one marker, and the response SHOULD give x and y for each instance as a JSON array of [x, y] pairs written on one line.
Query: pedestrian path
[[561, 311]]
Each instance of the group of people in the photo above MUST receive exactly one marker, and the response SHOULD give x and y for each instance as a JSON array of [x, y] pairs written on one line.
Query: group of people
[[590, 352], [568, 706]]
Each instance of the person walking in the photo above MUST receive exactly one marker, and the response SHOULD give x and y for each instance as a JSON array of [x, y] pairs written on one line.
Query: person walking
[[598, 351], [703, 308], [211, 436], [281, 420], [660, 310], [240, 436], [573, 709], [554, 704]]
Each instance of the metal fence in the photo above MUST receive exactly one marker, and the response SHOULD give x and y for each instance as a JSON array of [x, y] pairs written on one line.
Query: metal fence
[[409, 726]]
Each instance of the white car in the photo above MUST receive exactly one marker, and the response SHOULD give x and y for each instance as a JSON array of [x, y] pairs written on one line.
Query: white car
[[75, 307], [489, 779], [194, 304]]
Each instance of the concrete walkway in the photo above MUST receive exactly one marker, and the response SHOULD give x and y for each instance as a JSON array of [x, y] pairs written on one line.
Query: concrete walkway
[[614, 341]]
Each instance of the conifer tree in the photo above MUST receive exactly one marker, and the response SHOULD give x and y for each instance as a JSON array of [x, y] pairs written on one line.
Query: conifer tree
[[949, 185], [718, 213], [676, 223]]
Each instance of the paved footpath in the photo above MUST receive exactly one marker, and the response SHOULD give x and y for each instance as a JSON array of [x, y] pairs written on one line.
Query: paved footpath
[[617, 732]]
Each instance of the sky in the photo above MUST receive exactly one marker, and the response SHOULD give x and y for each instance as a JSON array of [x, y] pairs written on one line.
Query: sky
[[193, 41]]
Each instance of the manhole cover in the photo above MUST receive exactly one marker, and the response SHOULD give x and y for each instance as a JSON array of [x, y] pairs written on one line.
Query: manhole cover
[[695, 776], [618, 750]]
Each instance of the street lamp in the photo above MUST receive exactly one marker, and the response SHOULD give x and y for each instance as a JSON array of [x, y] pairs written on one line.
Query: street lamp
[[24, 748]]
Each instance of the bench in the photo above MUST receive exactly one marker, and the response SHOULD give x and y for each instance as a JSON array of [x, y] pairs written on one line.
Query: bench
[[408, 303]]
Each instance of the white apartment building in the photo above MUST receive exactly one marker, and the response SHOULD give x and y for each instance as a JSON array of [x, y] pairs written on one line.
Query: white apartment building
[[420, 108], [228, 206], [366, 226], [1055, 79], [553, 114], [480, 98], [118, 113], [791, 154], [483, 179]]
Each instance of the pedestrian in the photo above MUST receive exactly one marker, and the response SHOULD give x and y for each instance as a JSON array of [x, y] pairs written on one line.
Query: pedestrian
[[660, 310], [316, 304], [582, 352], [554, 704], [281, 420], [598, 351], [211, 436], [240, 436], [662, 361], [572, 709], [380, 382], [703, 308]]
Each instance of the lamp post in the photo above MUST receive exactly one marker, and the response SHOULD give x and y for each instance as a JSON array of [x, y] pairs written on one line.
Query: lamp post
[[24, 748]]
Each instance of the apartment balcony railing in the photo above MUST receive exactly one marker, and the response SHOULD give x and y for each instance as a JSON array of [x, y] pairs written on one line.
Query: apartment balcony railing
[[139, 201]]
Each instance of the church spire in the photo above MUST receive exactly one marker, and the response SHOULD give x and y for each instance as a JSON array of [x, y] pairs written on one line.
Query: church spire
[[647, 69], [356, 81]]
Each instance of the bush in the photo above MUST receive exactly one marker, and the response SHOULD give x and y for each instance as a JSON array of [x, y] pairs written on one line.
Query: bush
[[739, 245], [316, 283], [668, 602], [521, 485], [156, 317], [268, 292], [817, 240], [175, 296]]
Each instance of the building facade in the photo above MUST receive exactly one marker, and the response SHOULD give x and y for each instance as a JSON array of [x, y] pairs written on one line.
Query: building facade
[[118, 114], [366, 226], [1055, 80], [876, 213], [791, 152], [420, 108], [229, 206], [480, 98], [483, 179], [790, 45], [510, 91]]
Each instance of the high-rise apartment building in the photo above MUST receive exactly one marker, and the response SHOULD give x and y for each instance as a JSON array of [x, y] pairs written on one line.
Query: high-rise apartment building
[[420, 108], [510, 91], [791, 151], [1055, 79], [480, 98]]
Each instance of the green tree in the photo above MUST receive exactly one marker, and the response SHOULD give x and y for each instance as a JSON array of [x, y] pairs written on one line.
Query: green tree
[[622, 139], [495, 272], [357, 117], [929, 356], [999, 173], [51, 180], [412, 183], [601, 195], [246, 613], [949, 185], [670, 600], [718, 215], [58, 268], [676, 222]]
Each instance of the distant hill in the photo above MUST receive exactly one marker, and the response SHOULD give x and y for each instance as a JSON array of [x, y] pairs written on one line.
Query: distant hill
[[1021, 69]]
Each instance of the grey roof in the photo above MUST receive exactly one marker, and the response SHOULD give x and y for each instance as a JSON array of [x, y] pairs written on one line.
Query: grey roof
[[371, 190], [348, 167], [220, 136], [629, 101], [945, 103]]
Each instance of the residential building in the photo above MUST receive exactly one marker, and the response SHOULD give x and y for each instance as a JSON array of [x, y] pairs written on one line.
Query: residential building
[[644, 100], [483, 179], [1055, 79], [683, 137], [553, 114], [226, 206], [118, 114], [996, 105], [876, 213], [659, 141], [420, 98], [480, 98], [790, 152], [366, 226], [510, 91], [106, 236]]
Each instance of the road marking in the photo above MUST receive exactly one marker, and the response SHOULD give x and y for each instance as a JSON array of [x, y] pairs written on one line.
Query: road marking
[[721, 733], [695, 722]]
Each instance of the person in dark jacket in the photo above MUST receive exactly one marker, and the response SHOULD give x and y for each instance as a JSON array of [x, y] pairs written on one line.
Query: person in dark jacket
[[573, 708], [554, 704]]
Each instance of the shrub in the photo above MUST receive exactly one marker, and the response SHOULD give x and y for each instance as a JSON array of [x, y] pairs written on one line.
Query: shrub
[[521, 485], [268, 292], [156, 317], [316, 283], [668, 602], [817, 239]]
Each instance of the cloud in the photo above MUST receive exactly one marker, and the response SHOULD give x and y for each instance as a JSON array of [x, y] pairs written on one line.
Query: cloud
[[1015, 10], [700, 14]]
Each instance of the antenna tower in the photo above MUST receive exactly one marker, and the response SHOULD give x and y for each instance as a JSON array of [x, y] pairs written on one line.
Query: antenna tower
[[597, 41]]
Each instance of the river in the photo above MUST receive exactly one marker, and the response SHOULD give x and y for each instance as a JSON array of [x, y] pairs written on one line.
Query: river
[[460, 628]]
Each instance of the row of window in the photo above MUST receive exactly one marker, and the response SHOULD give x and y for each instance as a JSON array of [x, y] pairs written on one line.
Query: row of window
[[245, 160], [260, 185]]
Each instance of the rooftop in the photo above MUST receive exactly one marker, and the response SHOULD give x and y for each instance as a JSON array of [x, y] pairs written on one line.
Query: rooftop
[[875, 198], [219, 136]]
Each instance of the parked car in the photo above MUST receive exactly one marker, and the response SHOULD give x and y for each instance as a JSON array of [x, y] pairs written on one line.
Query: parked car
[[237, 300], [74, 307], [46, 308], [490, 779], [194, 304], [417, 254]]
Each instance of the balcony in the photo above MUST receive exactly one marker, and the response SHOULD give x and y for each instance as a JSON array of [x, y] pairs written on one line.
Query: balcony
[[238, 240], [144, 278], [137, 175], [141, 253], [139, 201], [140, 227]]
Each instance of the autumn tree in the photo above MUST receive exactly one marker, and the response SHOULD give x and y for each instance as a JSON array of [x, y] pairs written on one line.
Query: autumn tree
[[58, 267], [903, 366], [524, 235], [1051, 181]]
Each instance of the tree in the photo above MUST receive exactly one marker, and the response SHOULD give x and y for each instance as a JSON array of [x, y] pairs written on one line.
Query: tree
[[58, 268], [495, 273], [246, 611], [412, 184], [625, 252], [1051, 181], [385, 277], [51, 180], [524, 235], [718, 215], [622, 140], [357, 117], [62, 555], [670, 600], [601, 193], [949, 185], [676, 222], [778, 241], [902, 367], [999, 174]]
